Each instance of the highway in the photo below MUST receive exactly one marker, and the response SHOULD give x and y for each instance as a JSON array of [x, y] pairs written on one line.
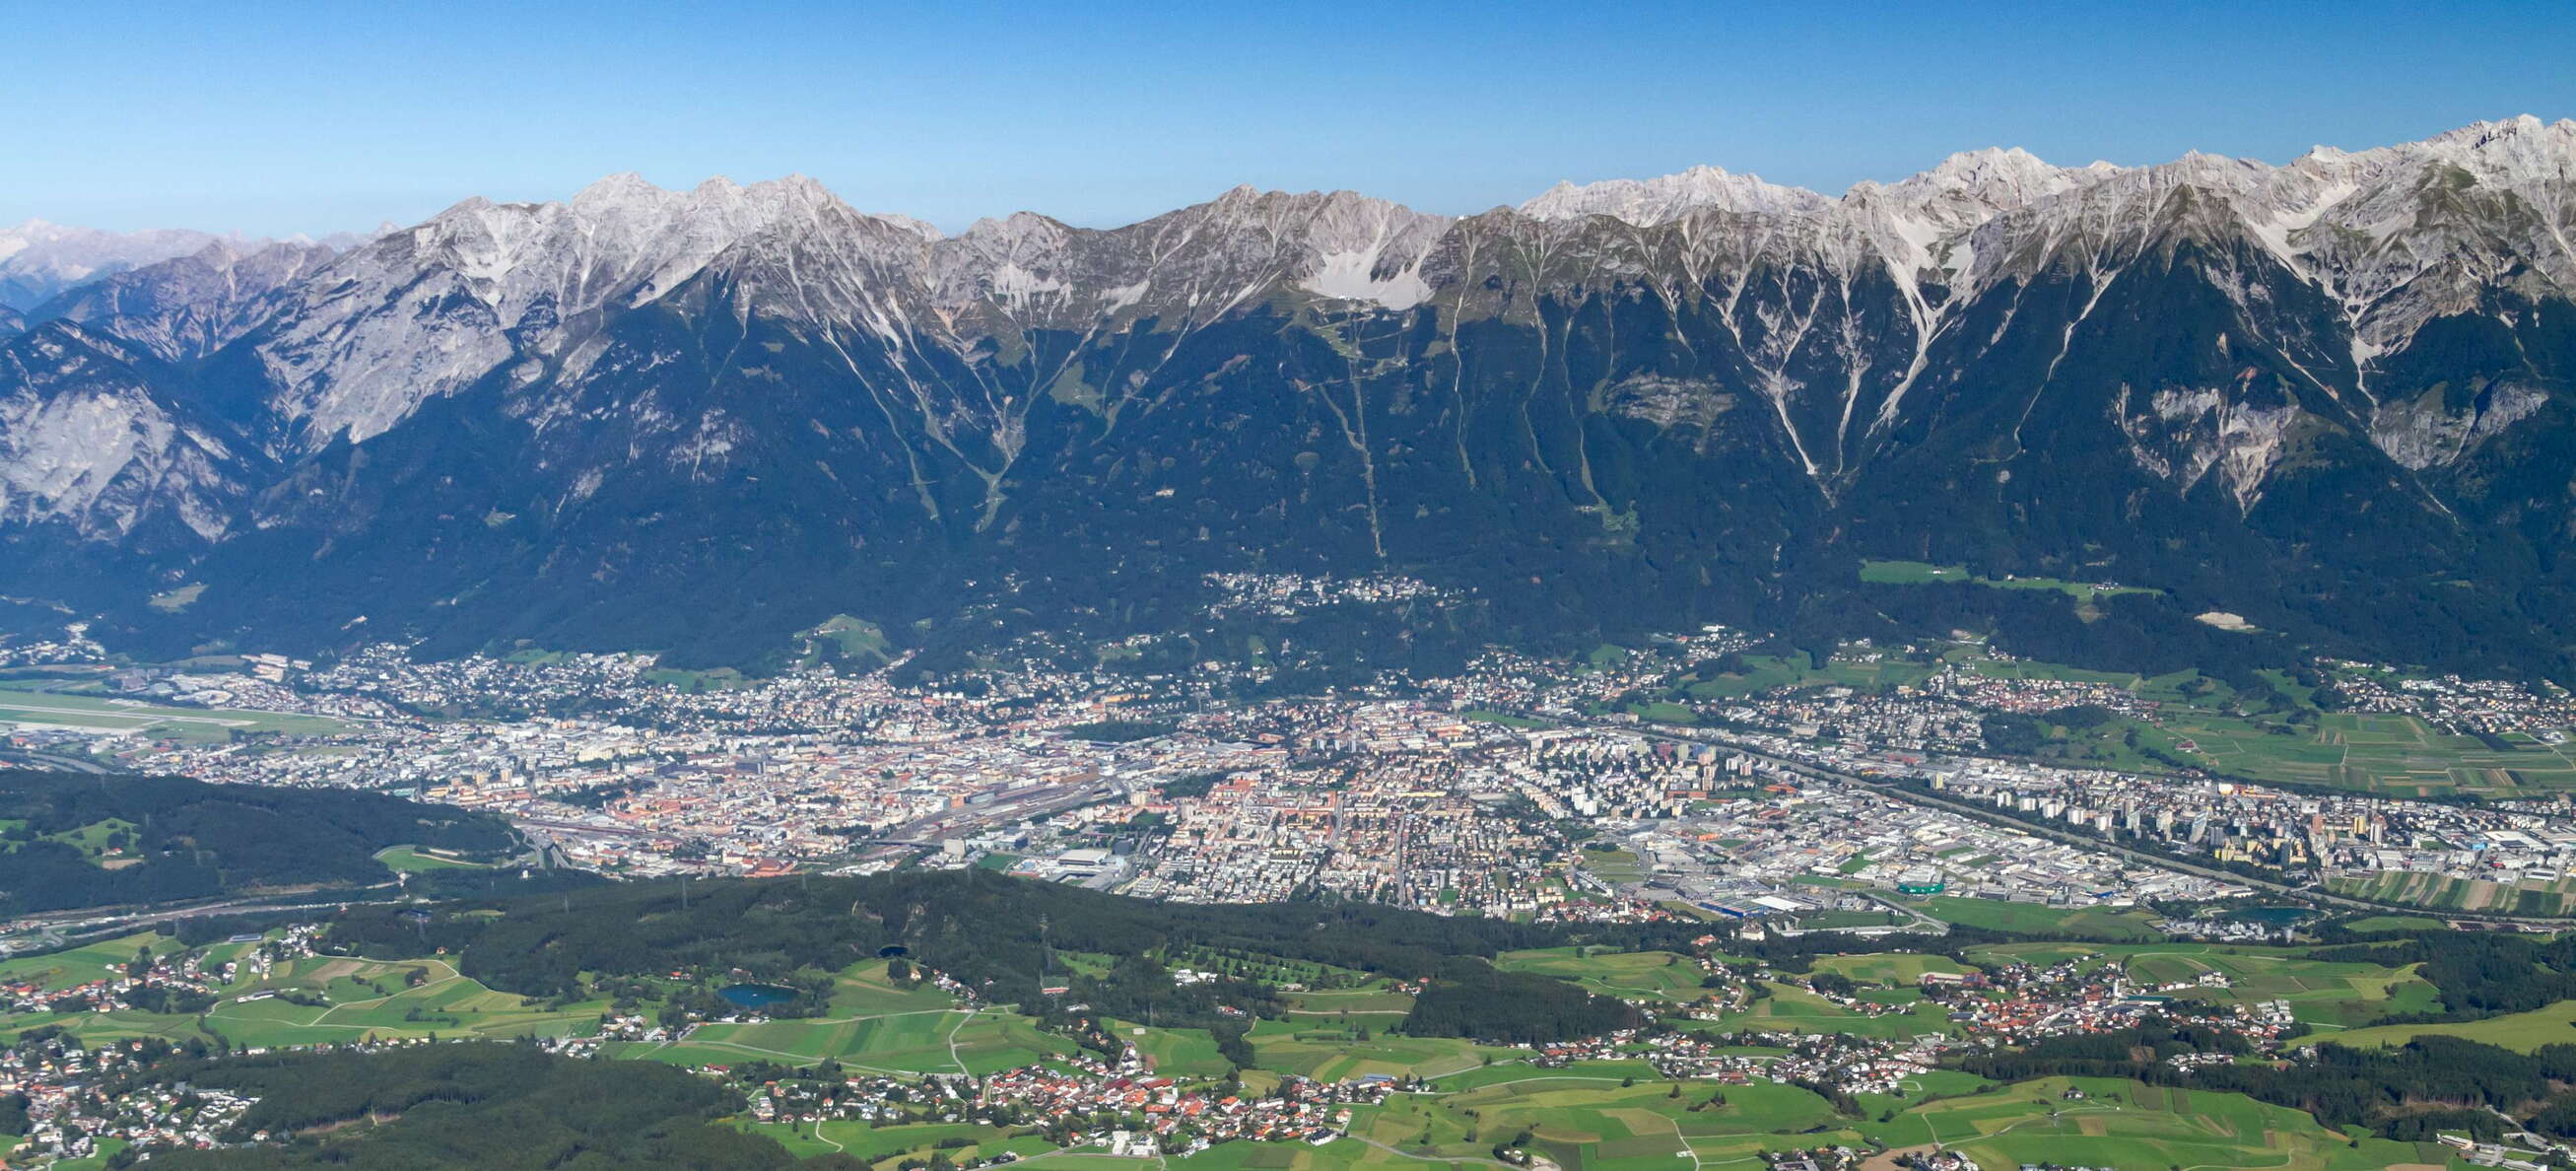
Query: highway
[[30, 759], [53, 930]]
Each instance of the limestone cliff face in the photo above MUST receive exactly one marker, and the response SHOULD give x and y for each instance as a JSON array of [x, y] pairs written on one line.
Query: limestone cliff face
[[1676, 393]]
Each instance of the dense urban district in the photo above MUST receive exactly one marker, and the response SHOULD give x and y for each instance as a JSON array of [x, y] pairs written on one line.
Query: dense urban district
[[1712, 901]]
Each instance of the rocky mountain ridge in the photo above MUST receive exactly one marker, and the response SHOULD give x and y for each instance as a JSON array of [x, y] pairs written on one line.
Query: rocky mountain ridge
[[1704, 380]]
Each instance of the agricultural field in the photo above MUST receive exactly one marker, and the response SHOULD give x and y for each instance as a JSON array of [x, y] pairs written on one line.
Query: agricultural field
[[2443, 892], [1791, 1009], [1595, 1125], [2326, 995], [1348, 1003], [1636, 975], [1184, 1054], [1598, 1125], [1520, 1072], [2370, 923], [94, 1029], [2384, 754], [1976, 659], [80, 965], [368, 999], [358, 1000], [856, 639], [2135, 1127], [917, 1042], [2521, 1031], [1925, 573], [2197, 720], [878, 1144], [1767, 672], [99, 841], [1662, 712], [1602, 1115], [865, 989], [1893, 969], [1334, 1054]]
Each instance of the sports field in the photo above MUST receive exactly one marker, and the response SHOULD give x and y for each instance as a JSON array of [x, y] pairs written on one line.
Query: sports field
[[413, 860], [2093, 922], [1614, 865]]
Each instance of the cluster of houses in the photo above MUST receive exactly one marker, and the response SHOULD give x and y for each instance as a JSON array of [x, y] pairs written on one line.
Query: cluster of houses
[[68, 1118], [2019, 1003]]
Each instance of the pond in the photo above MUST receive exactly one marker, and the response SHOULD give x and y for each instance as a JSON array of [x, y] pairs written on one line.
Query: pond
[[756, 995]]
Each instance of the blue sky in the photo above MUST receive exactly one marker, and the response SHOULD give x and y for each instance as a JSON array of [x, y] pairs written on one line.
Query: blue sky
[[288, 118]]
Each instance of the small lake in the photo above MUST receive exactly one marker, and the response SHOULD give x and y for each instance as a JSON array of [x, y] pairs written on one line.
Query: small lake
[[756, 995]]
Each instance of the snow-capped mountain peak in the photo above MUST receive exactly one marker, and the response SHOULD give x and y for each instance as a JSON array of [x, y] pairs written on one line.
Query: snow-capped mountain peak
[[39, 260], [1682, 379], [1652, 201], [1967, 188]]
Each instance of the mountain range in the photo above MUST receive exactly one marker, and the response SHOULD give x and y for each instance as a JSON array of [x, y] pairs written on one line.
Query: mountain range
[[2336, 398]]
